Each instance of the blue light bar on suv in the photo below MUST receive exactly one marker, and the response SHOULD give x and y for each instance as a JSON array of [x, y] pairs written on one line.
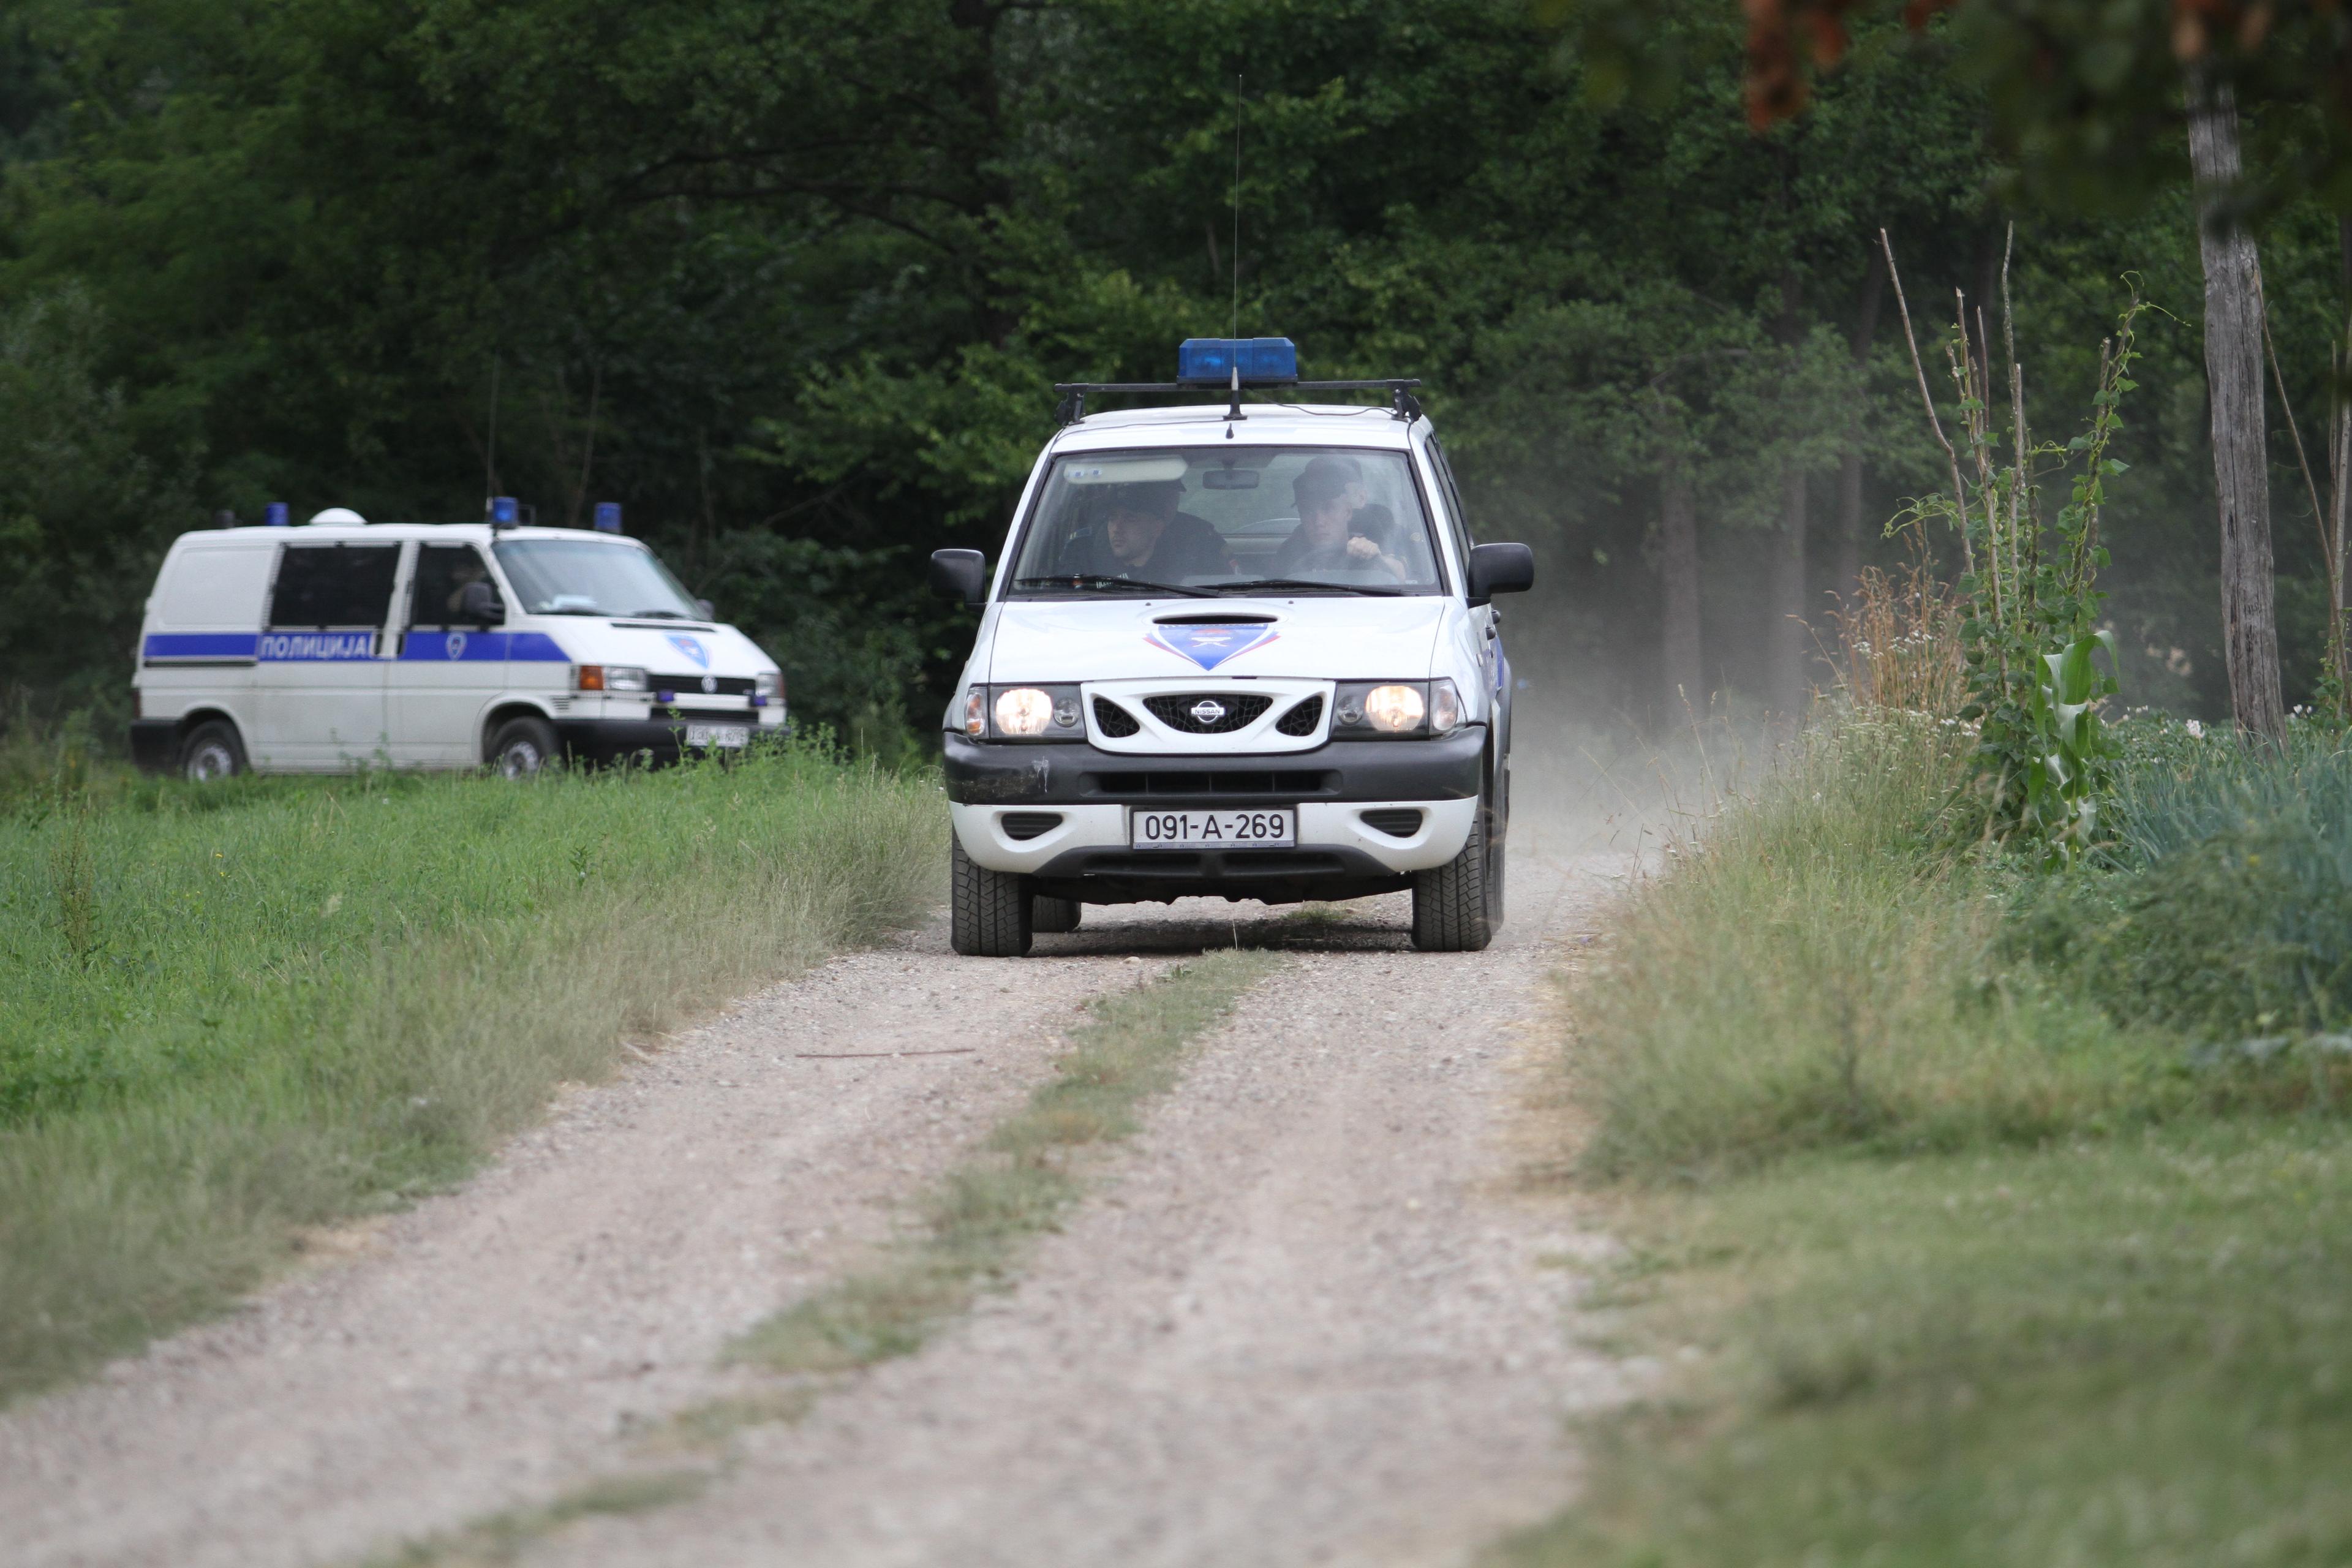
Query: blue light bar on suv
[[1210, 361]]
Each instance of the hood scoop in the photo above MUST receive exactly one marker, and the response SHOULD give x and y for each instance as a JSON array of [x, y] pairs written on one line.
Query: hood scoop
[[1211, 618]]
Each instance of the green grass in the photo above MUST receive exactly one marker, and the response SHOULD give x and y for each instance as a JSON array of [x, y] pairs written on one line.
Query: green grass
[[1957, 1237], [503, 1538], [975, 1225], [2132, 1351], [236, 1012]]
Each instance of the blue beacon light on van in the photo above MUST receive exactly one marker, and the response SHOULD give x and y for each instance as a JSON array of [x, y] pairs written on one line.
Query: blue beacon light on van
[[1212, 361], [274, 514], [608, 517], [502, 512]]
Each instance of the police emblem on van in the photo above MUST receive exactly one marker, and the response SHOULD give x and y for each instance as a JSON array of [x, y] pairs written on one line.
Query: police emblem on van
[[1210, 646], [454, 645], [693, 650]]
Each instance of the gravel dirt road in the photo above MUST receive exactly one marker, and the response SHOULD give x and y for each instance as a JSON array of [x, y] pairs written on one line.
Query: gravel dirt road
[[1306, 1315]]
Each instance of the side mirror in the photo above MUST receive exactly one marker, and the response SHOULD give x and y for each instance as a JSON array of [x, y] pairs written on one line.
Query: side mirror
[[479, 604], [1500, 569], [959, 574], [703, 608]]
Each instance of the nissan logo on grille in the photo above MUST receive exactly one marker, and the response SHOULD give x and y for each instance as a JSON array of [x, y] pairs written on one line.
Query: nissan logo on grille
[[1207, 711]]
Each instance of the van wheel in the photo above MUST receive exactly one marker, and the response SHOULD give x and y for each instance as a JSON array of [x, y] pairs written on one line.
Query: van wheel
[[212, 750], [988, 914], [523, 746], [1049, 916], [1458, 907]]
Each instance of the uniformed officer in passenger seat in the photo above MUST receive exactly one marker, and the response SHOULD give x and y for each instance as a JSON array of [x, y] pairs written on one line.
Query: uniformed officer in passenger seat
[[1335, 532]]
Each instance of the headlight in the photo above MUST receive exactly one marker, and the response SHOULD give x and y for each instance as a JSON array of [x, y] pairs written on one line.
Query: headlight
[[611, 678], [1445, 708], [770, 684], [1023, 710], [1394, 710], [1023, 713]]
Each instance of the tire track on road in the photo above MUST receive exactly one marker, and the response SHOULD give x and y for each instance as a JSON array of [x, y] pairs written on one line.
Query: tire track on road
[[484, 1349], [1308, 1318]]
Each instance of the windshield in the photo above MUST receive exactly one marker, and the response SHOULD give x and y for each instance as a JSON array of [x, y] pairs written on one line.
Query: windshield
[[589, 577], [1208, 521]]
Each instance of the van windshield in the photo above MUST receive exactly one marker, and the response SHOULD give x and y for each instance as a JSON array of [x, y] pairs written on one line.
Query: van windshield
[[1205, 521], [590, 577]]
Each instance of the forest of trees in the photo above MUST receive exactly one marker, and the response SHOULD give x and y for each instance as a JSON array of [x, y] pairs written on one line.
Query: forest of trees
[[791, 280]]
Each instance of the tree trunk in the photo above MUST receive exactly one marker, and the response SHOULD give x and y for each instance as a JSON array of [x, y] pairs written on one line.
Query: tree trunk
[[2234, 369], [1678, 566], [1791, 635]]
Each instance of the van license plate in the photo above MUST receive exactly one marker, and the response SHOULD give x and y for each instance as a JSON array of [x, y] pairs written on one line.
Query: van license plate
[[728, 735], [1212, 829]]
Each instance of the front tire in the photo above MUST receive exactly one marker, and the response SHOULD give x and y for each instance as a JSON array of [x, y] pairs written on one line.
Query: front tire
[[988, 911], [212, 752], [521, 747], [1051, 916], [1458, 907]]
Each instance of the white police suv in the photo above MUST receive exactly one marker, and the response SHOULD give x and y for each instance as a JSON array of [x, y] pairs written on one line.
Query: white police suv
[[1232, 650], [341, 644]]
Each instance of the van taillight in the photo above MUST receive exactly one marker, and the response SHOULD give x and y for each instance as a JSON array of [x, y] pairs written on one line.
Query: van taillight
[[592, 678]]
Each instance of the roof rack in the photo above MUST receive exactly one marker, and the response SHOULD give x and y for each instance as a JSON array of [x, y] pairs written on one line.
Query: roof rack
[[1402, 403]]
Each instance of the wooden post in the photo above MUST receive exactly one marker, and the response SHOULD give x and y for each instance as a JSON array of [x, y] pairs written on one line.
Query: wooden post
[[2234, 370]]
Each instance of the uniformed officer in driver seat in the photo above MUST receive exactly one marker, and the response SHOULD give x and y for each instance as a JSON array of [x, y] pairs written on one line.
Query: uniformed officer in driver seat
[[1145, 537]]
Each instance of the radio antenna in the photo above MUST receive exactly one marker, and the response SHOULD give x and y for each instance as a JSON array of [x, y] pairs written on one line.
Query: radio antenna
[[1237, 204]]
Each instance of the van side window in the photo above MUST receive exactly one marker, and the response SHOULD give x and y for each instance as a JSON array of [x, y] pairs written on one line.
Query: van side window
[[322, 586], [443, 571]]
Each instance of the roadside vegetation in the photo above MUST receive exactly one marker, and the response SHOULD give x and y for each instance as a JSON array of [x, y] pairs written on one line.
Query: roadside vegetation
[[236, 1011], [1974, 1092]]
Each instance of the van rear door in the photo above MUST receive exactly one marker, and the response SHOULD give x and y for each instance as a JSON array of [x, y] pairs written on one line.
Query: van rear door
[[320, 674]]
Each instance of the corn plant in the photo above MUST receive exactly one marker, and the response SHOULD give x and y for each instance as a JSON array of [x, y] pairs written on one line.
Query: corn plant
[[2029, 598]]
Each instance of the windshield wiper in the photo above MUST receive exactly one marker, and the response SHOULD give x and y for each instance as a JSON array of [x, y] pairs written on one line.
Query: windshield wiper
[[1256, 584], [1096, 580], [657, 616]]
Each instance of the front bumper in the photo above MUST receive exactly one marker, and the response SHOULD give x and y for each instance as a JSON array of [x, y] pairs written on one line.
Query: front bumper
[[1090, 795], [662, 740], [1451, 767]]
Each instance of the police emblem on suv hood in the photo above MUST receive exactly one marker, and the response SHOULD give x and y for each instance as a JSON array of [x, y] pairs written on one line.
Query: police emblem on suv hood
[[1209, 645], [693, 650]]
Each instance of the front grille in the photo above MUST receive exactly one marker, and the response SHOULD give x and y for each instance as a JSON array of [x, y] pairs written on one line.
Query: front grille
[[1302, 719], [1279, 783], [1240, 711], [691, 685], [1026, 824], [1397, 822], [1115, 721]]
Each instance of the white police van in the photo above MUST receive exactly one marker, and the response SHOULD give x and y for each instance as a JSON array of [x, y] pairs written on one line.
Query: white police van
[[1237, 651], [343, 643]]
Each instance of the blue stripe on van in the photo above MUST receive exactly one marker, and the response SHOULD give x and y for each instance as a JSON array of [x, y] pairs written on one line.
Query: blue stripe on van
[[470, 648], [537, 647], [199, 645]]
